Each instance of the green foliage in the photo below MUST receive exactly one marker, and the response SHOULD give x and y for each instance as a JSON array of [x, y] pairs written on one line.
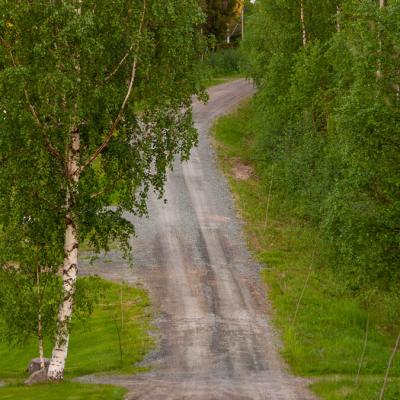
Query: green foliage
[[95, 342], [223, 63], [65, 391], [94, 108], [219, 14], [43, 44], [327, 120], [326, 338], [20, 304]]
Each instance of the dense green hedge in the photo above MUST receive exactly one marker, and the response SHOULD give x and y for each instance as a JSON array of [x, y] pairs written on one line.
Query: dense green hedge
[[328, 121]]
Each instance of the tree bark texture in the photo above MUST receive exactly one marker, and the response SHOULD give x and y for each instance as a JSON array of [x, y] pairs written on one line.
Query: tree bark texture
[[303, 24], [338, 12], [40, 325], [70, 267], [382, 4]]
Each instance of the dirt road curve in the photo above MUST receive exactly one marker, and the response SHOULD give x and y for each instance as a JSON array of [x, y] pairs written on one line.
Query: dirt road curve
[[216, 341]]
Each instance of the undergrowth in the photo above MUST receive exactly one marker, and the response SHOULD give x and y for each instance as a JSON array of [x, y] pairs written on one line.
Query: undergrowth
[[323, 325]]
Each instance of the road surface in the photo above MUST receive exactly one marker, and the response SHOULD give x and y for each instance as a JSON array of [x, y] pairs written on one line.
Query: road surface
[[216, 340]]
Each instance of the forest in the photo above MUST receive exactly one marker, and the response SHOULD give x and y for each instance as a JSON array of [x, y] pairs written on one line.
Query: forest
[[327, 120]]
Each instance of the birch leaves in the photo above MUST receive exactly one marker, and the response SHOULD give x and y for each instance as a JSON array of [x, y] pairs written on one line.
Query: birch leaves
[[94, 104]]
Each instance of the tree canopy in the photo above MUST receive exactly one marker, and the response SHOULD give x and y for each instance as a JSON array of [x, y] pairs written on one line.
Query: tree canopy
[[219, 16], [327, 118], [94, 108]]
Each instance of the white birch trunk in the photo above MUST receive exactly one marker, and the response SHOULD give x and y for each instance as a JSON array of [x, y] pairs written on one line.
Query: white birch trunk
[[70, 265], [338, 12], [40, 341], [382, 4], [40, 326], [303, 23], [70, 268]]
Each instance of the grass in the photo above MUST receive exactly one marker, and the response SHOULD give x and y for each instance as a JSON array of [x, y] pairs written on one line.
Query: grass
[[221, 79], [346, 389], [325, 336], [114, 339], [65, 391]]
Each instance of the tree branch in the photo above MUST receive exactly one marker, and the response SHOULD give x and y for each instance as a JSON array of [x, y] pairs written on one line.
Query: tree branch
[[50, 147], [108, 188], [114, 125], [120, 63]]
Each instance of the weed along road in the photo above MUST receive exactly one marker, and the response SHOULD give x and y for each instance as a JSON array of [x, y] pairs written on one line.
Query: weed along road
[[215, 339]]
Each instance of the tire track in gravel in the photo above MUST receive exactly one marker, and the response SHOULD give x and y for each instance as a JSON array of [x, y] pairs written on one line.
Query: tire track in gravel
[[216, 340]]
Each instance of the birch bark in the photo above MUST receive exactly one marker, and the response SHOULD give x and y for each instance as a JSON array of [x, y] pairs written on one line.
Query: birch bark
[[71, 248], [382, 4], [39, 318], [40, 326], [40, 336], [303, 23], [338, 12], [70, 267]]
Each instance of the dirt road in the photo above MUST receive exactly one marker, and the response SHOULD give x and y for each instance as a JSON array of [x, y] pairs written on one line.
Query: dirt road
[[216, 341]]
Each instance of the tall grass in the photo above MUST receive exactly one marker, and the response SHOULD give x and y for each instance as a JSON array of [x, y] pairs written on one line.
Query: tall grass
[[322, 325]]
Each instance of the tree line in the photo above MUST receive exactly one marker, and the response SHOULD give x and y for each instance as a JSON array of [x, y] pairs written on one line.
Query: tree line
[[327, 119]]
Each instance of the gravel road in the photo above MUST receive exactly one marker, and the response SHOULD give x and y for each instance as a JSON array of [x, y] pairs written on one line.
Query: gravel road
[[216, 341]]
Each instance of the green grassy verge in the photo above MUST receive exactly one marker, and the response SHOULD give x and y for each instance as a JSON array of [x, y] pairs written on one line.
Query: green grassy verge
[[346, 389], [64, 391], [114, 338], [221, 79], [322, 327]]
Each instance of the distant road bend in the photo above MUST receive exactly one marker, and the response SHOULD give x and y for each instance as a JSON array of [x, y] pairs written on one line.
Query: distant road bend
[[216, 340]]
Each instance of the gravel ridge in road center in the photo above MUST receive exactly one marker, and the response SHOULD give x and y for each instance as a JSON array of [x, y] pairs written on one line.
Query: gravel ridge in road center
[[216, 341]]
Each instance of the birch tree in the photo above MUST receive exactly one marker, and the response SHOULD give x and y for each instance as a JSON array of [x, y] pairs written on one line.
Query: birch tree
[[303, 23], [95, 107], [330, 127]]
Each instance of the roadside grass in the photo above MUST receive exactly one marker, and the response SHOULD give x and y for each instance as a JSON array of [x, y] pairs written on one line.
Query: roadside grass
[[217, 80], [347, 389], [114, 339], [64, 391], [322, 327]]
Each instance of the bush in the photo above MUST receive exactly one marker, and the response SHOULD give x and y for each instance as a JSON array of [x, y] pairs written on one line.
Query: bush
[[224, 62]]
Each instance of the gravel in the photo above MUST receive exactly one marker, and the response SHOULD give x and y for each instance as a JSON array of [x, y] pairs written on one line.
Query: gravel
[[216, 341]]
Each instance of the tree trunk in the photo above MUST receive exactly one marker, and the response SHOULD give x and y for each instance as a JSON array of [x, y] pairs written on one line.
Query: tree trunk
[[338, 12], [71, 248], [40, 341], [40, 326], [390, 363], [70, 266], [242, 20], [303, 24], [382, 4]]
